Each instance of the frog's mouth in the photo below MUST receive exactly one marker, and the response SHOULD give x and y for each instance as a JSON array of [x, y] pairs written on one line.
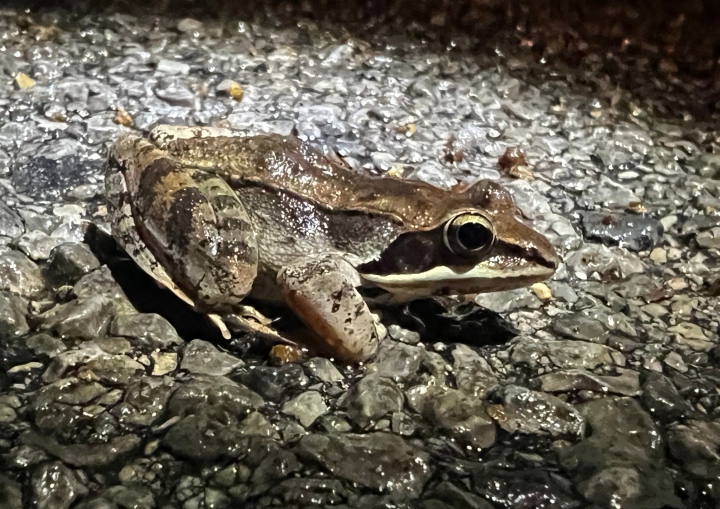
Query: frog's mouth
[[442, 280]]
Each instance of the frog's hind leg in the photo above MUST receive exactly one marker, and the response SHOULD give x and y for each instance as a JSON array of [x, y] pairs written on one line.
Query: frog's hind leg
[[196, 234], [126, 235]]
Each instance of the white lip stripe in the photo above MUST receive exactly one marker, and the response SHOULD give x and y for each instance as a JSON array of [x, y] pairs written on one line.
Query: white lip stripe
[[447, 274]]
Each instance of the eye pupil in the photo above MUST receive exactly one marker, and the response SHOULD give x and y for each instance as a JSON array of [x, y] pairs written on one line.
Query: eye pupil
[[469, 234], [473, 236]]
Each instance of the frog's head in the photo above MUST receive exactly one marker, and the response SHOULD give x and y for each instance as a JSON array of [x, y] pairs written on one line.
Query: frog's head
[[479, 246]]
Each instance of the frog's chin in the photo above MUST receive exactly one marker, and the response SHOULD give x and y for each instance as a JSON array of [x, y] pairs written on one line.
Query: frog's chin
[[441, 281]]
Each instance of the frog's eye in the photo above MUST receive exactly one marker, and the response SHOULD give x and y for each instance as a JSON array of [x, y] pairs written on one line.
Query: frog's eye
[[469, 234]]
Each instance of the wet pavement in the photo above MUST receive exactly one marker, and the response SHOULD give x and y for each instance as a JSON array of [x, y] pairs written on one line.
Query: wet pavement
[[600, 391]]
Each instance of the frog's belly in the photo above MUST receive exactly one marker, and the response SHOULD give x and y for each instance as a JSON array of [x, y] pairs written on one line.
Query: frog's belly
[[289, 230]]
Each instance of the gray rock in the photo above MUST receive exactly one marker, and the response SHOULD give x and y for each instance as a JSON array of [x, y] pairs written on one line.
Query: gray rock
[[396, 360], [112, 369], [144, 402], [627, 383], [79, 319], [473, 374], [69, 262], [270, 464], [102, 283], [12, 316], [335, 424], [564, 354], [306, 407], [203, 393], [462, 417], [11, 225], [20, 275], [84, 455], [146, 329], [274, 383], [55, 486], [403, 335], [69, 359], [37, 245], [580, 327], [380, 461], [636, 233], [527, 411], [137, 497], [203, 438], [10, 494], [203, 358], [255, 424], [622, 462], [44, 344], [323, 369], [663, 400], [458, 498], [371, 398], [696, 445]]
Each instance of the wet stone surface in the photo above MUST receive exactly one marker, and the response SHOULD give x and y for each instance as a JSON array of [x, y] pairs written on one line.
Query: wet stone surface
[[597, 390]]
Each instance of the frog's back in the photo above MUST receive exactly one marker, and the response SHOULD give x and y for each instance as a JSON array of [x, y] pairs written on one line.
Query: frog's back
[[286, 163]]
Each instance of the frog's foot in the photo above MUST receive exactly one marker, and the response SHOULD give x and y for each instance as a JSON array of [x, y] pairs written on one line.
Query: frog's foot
[[249, 320], [323, 294]]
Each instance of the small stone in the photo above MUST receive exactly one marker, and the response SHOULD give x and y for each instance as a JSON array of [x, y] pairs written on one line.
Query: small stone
[[677, 283], [675, 361], [658, 255], [11, 225], [188, 25], [171, 67], [148, 330], [626, 384], [255, 424], [379, 461], [37, 244], [371, 398], [205, 394], [20, 275], [403, 335], [12, 316], [473, 374], [83, 319], [69, 262], [397, 360], [231, 88], [323, 369], [24, 81], [284, 354], [662, 399], [542, 291], [335, 423], [527, 411], [459, 415], [306, 407], [10, 493], [163, 363], [203, 358], [55, 486]]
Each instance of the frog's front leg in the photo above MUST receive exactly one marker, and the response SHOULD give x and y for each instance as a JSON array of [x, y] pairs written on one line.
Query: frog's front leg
[[323, 294]]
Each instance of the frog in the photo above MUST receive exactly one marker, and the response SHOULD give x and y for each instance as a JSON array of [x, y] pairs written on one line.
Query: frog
[[221, 216]]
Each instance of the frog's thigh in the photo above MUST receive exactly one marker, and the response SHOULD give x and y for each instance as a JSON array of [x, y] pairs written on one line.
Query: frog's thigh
[[323, 295], [204, 233]]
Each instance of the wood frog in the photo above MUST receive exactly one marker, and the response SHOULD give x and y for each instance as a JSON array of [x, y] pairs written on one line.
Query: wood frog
[[217, 215]]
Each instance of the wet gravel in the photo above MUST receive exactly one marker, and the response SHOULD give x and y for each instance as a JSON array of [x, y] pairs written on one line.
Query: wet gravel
[[606, 395]]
